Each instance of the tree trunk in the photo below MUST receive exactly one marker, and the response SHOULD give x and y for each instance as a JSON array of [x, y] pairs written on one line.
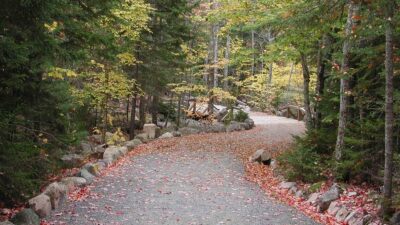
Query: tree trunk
[[344, 81], [154, 109], [142, 111], [214, 37], [215, 55], [389, 117], [306, 91], [178, 117], [226, 67], [105, 110], [133, 115], [323, 57], [253, 53], [271, 68]]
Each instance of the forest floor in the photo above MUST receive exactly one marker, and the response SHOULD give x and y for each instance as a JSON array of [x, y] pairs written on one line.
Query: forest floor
[[197, 179]]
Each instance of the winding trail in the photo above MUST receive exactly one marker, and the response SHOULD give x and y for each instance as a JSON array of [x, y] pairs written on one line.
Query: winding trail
[[197, 179]]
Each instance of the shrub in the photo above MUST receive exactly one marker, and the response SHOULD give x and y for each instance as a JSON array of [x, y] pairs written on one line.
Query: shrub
[[241, 116], [302, 164]]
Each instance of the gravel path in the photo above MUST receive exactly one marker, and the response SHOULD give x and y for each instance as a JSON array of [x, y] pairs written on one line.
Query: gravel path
[[188, 180]]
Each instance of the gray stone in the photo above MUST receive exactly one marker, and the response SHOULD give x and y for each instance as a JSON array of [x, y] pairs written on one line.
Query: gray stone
[[176, 134], [194, 124], [261, 156], [234, 126], [142, 137], [26, 217], [351, 194], [327, 198], [245, 126], [6, 223], [111, 154], [293, 190], [132, 143], [166, 135], [395, 218], [72, 182], [87, 175], [95, 168], [299, 194], [72, 160], [355, 218], [122, 151], [150, 130], [250, 122], [215, 128], [100, 148], [287, 185], [95, 138], [342, 214], [334, 207], [57, 193], [312, 199], [188, 131], [86, 147], [41, 205]]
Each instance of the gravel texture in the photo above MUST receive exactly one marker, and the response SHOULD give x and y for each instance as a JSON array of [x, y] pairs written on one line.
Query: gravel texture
[[194, 181]]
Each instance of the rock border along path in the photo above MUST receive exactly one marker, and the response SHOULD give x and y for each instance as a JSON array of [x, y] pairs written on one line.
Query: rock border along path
[[197, 179]]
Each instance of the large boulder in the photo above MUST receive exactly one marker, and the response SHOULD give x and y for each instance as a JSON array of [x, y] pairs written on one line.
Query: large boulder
[[312, 199], [99, 149], [122, 151], [250, 122], [261, 156], [87, 175], [94, 168], [86, 147], [189, 130], [132, 143], [176, 134], [216, 128], [58, 194], [151, 130], [355, 218], [327, 198], [26, 217], [194, 124], [166, 135], [235, 126], [334, 207], [342, 214], [95, 138], [72, 182], [287, 185], [112, 153], [72, 160], [143, 137], [41, 205]]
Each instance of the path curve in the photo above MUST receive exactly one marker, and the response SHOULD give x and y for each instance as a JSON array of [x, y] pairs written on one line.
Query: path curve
[[197, 180]]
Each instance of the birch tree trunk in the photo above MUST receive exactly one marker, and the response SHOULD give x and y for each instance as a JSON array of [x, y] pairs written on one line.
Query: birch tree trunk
[[389, 118], [226, 67], [306, 91], [344, 81], [253, 64], [215, 54]]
